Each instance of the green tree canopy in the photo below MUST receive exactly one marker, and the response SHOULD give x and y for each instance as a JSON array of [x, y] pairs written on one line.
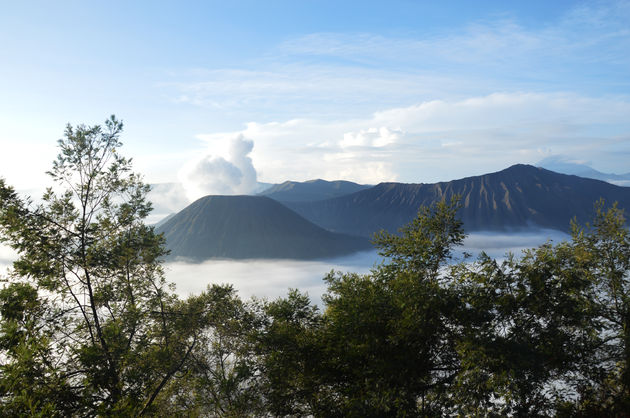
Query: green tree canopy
[[89, 325], [542, 334]]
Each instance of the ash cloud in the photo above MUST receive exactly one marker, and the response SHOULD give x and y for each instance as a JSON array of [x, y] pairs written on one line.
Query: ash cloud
[[213, 174]]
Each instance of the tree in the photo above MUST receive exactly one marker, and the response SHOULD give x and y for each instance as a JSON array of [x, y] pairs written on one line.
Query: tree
[[603, 249], [384, 343], [291, 358], [393, 329], [223, 379], [547, 333], [89, 325], [543, 334]]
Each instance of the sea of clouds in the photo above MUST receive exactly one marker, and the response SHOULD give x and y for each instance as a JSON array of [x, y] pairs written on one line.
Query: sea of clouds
[[271, 279]]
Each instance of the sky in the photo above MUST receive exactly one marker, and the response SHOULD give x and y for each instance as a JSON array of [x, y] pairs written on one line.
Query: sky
[[220, 96]]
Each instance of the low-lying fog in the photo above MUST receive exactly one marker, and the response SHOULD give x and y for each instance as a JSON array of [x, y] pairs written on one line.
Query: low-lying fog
[[272, 278]]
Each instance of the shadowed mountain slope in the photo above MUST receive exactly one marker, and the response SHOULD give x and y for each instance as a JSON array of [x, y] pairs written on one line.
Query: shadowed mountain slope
[[250, 227], [312, 190], [518, 197]]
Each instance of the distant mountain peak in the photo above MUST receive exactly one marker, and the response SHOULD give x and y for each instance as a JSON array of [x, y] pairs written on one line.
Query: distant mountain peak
[[250, 227], [579, 168], [311, 190]]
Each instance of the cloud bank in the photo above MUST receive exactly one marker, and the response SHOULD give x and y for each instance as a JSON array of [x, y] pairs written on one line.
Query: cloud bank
[[272, 278], [265, 278], [440, 140]]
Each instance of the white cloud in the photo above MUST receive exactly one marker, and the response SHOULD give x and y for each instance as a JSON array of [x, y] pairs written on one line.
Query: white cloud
[[431, 106], [330, 75], [441, 139], [214, 174], [371, 137], [592, 34], [167, 198], [7, 254]]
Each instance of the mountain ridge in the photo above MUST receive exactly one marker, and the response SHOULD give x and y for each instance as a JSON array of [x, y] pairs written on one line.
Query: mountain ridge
[[517, 197], [311, 190]]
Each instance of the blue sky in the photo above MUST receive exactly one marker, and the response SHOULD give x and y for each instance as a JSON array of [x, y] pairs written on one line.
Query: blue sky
[[222, 95]]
